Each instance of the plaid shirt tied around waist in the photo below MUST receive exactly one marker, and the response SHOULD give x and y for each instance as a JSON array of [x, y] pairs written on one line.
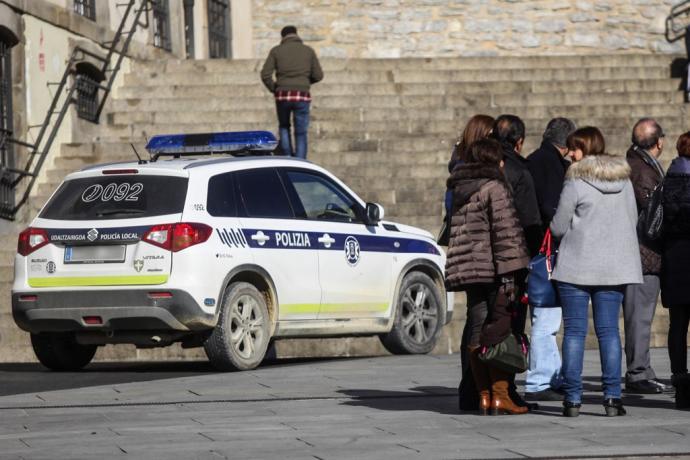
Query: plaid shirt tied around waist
[[292, 96]]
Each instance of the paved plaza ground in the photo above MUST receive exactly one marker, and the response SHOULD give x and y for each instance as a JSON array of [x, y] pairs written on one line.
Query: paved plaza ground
[[385, 407]]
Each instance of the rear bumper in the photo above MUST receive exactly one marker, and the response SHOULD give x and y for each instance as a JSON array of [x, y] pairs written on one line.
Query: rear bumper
[[119, 310]]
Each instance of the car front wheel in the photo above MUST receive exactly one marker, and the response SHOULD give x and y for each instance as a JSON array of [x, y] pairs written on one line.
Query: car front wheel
[[240, 339], [419, 316]]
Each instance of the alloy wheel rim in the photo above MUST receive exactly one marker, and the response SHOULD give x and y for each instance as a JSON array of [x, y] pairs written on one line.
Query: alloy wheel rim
[[419, 315], [246, 326]]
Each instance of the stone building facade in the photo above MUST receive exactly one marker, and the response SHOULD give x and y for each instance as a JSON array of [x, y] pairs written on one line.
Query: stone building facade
[[448, 28]]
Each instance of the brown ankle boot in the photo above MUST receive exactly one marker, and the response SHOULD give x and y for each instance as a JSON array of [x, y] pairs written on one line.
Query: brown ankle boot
[[480, 372], [501, 404]]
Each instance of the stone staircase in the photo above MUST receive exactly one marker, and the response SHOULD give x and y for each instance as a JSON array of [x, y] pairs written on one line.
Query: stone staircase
[[386, 127]]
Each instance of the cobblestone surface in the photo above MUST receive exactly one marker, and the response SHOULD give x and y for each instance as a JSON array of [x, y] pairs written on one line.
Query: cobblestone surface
[[384, 407]]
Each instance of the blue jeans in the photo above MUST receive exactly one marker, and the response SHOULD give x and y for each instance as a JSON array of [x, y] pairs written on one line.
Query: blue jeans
[[544, 357], [301, 118], [606, 304]]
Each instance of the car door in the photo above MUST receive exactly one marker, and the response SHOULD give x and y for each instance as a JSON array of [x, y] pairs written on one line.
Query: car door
[[280, 243], [355, 263]]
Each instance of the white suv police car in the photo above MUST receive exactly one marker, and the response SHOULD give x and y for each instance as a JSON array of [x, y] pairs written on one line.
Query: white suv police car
[[227, 253]]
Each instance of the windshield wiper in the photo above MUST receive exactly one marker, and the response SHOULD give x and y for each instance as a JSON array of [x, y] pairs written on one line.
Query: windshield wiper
[[111, 212]]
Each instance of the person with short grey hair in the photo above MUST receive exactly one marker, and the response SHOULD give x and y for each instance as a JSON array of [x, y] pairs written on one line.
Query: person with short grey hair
[[641, 299], [548, 166]]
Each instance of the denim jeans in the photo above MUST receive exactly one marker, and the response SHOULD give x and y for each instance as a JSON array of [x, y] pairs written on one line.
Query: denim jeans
[[544, 357], [285, 111], [606, 305]]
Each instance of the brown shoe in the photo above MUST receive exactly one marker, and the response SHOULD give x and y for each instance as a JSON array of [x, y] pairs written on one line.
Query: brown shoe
[[480, 373], [501, 404]]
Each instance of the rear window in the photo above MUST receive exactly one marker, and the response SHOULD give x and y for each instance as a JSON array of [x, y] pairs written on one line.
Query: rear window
[[117, 197]]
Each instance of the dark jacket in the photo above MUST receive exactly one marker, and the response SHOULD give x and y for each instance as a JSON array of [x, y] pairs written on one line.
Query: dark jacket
[[646, 175], [547, 167], [675, 275], [486, 239], [525, 198], [295, 65]]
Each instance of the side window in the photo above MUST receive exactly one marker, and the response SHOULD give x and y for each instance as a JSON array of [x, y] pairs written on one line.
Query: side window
[[262, 194], [220, 201], [321, 198]]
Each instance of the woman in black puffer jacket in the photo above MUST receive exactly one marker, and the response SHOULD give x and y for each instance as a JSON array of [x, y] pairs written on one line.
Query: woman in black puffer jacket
[[675, 275]]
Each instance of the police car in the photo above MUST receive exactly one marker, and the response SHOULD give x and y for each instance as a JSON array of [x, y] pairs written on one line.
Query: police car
[[228, 253]]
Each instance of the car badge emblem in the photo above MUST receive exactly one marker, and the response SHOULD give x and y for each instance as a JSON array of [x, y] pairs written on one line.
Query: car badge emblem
[[138, 265], [50, 267], [92, 234], [352, 250]]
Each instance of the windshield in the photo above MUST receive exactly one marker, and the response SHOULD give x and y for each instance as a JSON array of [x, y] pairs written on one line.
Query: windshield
[[117, 197]]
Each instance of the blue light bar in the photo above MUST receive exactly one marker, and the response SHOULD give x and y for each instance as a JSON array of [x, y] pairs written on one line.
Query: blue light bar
[[255, 141]]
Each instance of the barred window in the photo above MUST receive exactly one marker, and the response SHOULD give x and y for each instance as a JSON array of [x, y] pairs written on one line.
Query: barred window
[[219, 28], [189, 28], [88, 80], [86, 8], [161, 24], [6, 124]]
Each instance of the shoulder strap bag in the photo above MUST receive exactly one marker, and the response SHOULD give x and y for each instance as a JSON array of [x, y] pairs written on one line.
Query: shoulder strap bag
[[541, 291]]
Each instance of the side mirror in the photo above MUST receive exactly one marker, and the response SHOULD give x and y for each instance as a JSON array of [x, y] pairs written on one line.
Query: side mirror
[[374, 213]]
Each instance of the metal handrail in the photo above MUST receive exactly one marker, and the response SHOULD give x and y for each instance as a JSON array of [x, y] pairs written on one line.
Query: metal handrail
[[675, 29], [39, 149]]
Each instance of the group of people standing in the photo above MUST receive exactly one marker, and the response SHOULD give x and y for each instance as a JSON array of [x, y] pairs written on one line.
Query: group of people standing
[[501, 204]]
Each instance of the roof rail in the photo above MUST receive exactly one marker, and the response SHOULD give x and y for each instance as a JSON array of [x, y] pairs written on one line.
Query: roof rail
[[237, 143]]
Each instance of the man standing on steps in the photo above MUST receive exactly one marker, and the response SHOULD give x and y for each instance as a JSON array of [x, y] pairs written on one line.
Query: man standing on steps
[[547, 165], [640, 300], [296, 68]]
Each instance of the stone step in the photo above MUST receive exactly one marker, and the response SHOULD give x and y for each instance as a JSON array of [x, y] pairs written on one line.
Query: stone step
[[73, 164], [485, 62], [461, 63], [154, 79], [466, 89], [160, 122], [402, 101]]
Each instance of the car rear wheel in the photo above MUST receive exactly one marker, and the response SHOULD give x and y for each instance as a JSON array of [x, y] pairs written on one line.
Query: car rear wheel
[[419, 316], [240, 339], [61, 352]]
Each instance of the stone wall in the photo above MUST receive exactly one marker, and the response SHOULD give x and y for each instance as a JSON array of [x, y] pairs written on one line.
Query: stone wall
[[426, 28]]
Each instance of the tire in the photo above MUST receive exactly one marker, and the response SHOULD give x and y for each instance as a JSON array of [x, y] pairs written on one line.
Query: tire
[[419, 316], [240, 339], [61, 352]]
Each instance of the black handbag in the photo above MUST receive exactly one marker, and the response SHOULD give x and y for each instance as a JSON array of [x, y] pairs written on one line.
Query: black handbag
[[651, 218], [510, 355], [541, 291]]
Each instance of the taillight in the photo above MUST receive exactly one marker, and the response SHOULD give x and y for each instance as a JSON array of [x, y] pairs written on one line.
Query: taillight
[[31, 239], [176, 237], [159, 235]]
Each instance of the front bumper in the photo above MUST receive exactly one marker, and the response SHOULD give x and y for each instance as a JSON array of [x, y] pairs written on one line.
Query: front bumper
[[119, 310]]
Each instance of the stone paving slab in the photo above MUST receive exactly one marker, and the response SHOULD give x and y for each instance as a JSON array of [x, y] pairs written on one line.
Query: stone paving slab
[[402, 407]]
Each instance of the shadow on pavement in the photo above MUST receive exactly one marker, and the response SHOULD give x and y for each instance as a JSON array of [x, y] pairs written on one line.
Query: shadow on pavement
[[442, 400], [22, 378]]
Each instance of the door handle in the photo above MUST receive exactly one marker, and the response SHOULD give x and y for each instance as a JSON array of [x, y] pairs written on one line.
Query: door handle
[[260, 237], [326, 240]]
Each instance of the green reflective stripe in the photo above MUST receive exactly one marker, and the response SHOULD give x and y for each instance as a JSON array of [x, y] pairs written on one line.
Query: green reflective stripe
[[299, 308], [96, 280], [353, 307], [313, 308]]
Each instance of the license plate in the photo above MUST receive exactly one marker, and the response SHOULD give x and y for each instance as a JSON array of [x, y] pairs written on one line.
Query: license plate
[[95, 254]]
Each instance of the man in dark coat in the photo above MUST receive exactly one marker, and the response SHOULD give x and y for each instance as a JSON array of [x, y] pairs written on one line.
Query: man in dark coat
[[547, 165], [296, 68], [509, 130], [641, 299]]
